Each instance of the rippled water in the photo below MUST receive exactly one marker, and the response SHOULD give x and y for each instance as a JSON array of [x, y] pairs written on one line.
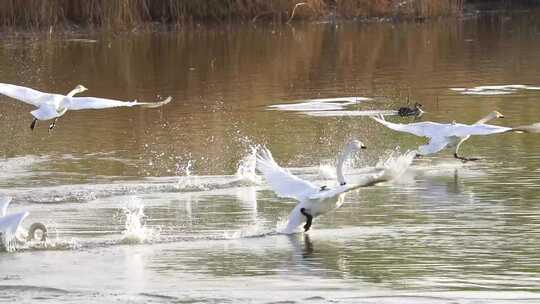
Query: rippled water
[[161, 205]]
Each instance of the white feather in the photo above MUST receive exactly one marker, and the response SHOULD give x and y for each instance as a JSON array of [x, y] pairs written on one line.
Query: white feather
[[4, 203]]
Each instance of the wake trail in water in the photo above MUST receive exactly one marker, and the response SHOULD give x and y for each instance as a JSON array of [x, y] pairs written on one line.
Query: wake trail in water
[[245, 176]]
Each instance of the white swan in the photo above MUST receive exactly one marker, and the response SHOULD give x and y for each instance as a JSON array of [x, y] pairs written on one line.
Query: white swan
[[9, 224], [51, 105], [454, 134], [313, 200]]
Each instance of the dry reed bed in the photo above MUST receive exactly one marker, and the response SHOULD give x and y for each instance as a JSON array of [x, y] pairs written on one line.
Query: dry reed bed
[[126, 14]]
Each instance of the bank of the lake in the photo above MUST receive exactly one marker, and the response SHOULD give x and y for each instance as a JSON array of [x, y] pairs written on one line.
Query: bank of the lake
[[137, 14]]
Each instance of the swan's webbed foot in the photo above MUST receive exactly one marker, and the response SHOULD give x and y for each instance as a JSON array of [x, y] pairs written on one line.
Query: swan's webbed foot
[[465, 159], [52, 125], [309, 219], [33, 124]]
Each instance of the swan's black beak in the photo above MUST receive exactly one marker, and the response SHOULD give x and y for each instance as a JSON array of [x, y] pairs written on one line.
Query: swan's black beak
[[363, 147]]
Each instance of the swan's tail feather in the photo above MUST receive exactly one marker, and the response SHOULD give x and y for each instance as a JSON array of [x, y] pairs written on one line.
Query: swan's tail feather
[[534, 128], [156, 104]]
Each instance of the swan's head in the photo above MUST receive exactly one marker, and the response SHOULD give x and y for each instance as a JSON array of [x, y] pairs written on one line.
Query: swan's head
[[80, 88], [355, 145], [417, 105], [497, 114]]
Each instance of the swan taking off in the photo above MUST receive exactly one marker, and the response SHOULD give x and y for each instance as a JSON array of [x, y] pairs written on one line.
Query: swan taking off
[[9, 224], [51, 105], [313, 200], [454, 134]]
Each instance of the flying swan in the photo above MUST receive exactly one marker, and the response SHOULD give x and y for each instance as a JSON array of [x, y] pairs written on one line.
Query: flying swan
[[313, 200], [452, 135], [51, 105]]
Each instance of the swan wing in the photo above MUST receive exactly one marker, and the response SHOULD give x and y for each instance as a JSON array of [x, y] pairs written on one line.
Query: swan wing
[[24, 94], [425, 129], [282, 181], [10, 223], [4, 203], [81, 103], [462, 130], [435, 145], [390, 169], [534, 128]]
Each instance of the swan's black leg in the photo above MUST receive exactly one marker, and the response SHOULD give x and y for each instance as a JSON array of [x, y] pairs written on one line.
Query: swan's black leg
[[33, 124], [309, 219], [465, 159], [51, 126]]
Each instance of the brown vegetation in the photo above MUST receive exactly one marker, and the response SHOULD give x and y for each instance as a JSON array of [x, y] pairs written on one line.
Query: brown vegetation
[[126, 14]]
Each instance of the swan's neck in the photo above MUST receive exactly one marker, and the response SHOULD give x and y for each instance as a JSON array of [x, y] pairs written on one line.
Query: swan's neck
[[487, 118], [73, 92], [339, 167]]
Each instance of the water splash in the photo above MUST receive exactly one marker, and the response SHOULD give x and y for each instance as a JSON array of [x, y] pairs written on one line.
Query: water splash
[[327, 172], [246, 167], [135, 231], [254, 230], [396, 163]]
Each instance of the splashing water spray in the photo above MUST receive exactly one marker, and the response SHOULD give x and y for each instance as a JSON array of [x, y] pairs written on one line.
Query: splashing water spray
[[135, 230]]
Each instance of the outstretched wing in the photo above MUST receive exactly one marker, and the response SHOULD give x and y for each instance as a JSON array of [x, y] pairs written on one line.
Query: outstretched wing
[[24, 94], [534, 128], [425, 129], [435, 145], [81, 103], [462, 130], [4, 203], [390, 169], [10, 223], [282, 181]]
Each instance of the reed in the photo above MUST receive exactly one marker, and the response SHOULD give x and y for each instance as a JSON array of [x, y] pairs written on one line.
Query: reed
[[128, 14]]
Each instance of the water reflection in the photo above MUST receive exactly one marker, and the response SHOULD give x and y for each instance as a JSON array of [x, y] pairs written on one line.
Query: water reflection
[[467, 231]]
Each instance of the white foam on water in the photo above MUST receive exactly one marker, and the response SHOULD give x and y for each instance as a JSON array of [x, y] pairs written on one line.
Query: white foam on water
[[21, 166], [135, 231], [245, 176], [494, 89], [322, 104], [340, 113]]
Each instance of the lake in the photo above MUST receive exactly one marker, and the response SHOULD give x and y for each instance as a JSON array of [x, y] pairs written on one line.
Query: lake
[[163, 205]]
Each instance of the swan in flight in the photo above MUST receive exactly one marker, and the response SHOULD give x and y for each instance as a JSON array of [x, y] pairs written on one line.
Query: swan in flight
[[452, 135], [9, 224], [51, 105], [313, 200]]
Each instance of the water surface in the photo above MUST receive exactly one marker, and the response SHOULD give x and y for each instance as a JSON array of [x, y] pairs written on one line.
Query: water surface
[[446, 232]]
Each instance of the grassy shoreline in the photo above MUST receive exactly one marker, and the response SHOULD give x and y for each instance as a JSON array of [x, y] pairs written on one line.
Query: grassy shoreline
[[132, 14]]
